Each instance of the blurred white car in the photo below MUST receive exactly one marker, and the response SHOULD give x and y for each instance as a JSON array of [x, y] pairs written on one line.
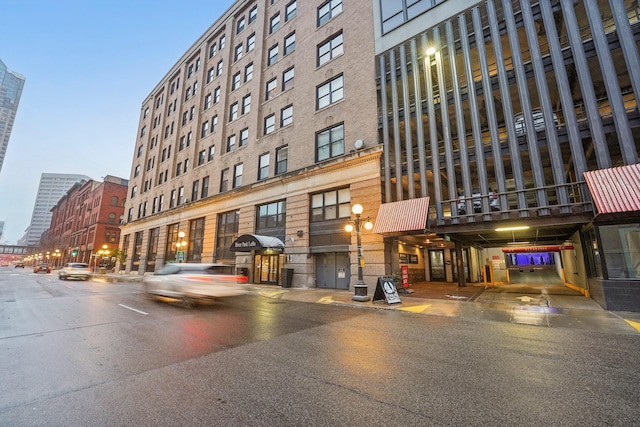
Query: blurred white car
[[75, 270], [186, 281]]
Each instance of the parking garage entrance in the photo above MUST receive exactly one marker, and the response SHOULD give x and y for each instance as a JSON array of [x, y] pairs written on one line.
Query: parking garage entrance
[[535, 265]]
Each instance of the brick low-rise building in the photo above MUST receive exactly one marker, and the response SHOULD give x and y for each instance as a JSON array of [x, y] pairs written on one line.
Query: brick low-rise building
[[85, 219]]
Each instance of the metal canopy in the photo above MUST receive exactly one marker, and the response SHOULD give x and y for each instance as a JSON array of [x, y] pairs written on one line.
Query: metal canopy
[[256, 242]]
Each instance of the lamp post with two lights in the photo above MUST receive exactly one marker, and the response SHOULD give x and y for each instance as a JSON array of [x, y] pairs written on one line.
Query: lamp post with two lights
[[359, 288]]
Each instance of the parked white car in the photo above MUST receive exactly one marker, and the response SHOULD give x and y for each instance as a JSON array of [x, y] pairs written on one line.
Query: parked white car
[[477, 202], [538, 122], [188, 281]]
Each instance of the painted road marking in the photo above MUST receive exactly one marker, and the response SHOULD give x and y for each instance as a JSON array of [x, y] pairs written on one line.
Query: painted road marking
[[133, 309], [416, 308], [634, 325], [268, 294], [326, 300]]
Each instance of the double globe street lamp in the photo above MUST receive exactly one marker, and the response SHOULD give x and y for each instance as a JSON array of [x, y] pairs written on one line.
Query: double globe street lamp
[[360, 288]]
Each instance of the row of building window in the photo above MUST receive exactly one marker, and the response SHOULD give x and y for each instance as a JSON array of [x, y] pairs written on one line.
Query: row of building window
[[202, 191], [329, 143], [325, 206]]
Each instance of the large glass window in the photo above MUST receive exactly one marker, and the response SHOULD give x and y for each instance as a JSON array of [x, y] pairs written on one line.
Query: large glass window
[[205, 187], [269, 124], [286, 116], [271, 215], [330, 9], [263, 166], [330, 205], [290, 11], [621, 250], [330, 49], [196, 237], [287, 78], [152, 249], [227, 232], [237, 175], [137, 250], [395, 13], [330, 143], [282, 153], [274, 23], [330, 92], [224, 180], [172, 239], [289, 43], [273, 55], [272, 85]]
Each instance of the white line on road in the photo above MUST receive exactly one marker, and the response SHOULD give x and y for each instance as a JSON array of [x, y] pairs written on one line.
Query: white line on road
[[133, 309]]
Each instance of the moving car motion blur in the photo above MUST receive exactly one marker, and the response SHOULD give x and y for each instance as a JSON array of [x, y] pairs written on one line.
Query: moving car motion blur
[[77, 270], [196, 281]]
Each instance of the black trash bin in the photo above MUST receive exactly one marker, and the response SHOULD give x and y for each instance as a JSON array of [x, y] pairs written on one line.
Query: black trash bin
[[286, 277]]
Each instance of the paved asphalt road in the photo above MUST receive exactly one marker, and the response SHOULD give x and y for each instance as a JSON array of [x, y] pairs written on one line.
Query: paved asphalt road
[[90, 353]]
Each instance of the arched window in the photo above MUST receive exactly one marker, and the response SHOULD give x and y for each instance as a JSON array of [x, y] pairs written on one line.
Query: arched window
[[112, 218], [114, 201]]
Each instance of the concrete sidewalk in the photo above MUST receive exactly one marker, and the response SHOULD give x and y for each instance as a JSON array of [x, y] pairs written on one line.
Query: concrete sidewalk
[[559, 307]]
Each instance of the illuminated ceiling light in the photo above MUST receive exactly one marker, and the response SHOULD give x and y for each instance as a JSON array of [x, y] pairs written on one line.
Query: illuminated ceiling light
[[430, 51], [521, 227], [518, 243]]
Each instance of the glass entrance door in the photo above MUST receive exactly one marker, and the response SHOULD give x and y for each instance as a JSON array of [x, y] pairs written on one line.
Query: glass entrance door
[[436, 266], [266, 269]]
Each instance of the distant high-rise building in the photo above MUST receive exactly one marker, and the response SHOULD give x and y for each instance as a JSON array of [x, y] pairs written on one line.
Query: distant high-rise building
[[52, 187], [11, 85]]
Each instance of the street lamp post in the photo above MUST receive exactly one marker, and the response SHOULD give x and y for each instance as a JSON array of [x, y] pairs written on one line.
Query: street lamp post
[[56, 255], [360, 288]]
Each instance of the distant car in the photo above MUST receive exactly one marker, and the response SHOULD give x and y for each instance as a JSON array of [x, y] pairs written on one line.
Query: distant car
[[188, 282], [42, 268], [75, 270], [476, 199], [19, 265]]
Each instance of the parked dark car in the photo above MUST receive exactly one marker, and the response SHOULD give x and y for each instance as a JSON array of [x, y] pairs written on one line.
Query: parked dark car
[[19, 265], [42, 268]]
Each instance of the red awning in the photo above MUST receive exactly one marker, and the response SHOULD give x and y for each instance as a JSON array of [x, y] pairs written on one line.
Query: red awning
[[402, 216], [615, 190]]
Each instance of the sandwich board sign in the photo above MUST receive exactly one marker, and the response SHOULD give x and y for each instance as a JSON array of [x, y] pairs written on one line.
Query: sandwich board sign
[[386, 290]]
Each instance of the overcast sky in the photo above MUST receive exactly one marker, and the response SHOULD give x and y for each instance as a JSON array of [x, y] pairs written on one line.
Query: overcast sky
[[88, 64]]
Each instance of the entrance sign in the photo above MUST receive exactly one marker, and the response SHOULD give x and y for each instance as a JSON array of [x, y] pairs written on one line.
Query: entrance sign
[[405, 280], [386, 289]]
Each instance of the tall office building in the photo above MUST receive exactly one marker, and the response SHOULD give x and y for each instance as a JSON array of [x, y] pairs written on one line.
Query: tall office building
[[255, 144], [11, 85], [52, 187]]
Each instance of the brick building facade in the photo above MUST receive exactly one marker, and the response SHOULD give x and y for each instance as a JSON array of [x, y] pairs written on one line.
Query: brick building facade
[[85, 219]]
